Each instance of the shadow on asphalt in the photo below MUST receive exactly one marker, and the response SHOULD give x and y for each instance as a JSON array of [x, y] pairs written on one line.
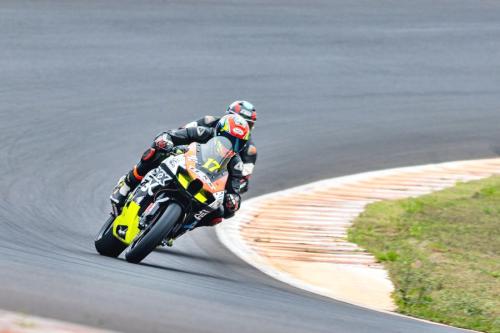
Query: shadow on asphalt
[[171, 269], [180, 254]]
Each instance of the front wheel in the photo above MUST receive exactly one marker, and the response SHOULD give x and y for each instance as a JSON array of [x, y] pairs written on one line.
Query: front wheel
[[107, 244], [153, 234]]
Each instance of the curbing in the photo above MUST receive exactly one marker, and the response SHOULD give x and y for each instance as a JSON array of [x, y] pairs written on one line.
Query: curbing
[[12, 322], [276, 234]]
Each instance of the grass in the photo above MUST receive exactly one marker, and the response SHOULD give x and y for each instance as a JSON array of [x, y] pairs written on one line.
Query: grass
[[442, 252]]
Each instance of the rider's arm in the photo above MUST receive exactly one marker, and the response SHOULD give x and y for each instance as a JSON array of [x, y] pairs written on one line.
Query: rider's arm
[[235, 168], [165, 141], [185, 136], [249, 158], [232, 199]]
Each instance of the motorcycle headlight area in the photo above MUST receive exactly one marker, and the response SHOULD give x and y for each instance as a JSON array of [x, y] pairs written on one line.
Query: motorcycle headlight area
[[185, 179]]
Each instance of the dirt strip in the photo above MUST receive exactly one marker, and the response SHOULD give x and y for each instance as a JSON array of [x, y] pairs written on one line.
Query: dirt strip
[[299, 235], [11, 322]]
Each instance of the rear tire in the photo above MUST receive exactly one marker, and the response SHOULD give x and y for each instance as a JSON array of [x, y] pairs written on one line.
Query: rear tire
[[154, 234], [107, 244]]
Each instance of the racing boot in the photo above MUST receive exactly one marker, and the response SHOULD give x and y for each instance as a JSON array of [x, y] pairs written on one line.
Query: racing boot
[[119, 194]]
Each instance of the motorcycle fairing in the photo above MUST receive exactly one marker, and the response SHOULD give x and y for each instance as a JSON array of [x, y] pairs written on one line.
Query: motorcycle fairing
[[128, 220], [213, 180]]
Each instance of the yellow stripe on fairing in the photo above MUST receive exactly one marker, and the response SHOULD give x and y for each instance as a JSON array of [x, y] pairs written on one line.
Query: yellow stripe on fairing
[[129, 218], [183, 180]]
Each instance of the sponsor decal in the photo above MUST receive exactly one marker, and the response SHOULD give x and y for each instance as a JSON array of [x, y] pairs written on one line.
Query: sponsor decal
[[173, 162], [200, 130], [238, 131], [201, 214], [246, 113], [239, 166], [239, 121], [202, 176], [155, 178], [219, 200]]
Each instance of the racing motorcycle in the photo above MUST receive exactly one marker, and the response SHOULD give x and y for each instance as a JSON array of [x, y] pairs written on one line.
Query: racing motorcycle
[[178, 194]]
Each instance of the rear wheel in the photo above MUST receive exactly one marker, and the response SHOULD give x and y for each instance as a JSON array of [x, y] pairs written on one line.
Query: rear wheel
[[153, 234], [107, 244]]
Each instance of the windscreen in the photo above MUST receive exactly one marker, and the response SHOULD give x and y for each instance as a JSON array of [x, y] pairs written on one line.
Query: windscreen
[[216, 154]]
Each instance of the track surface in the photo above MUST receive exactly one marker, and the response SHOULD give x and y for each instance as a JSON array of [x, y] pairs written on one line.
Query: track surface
[[341, 86]]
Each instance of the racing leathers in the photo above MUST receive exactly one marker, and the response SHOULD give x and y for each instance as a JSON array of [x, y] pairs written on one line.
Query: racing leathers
[[248, 154], [162, 146]]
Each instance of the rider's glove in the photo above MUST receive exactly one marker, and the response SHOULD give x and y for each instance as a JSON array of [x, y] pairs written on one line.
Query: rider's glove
[[163, 142], [232, 202]]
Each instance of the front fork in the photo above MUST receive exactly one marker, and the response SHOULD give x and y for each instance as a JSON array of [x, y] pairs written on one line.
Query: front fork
[[154, 211]]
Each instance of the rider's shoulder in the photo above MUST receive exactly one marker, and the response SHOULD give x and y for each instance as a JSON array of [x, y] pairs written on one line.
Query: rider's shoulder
[[206, 121], [209, 121], [250, 148]]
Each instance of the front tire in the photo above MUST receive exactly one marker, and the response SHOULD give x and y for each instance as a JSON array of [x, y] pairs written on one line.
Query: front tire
[[154, 234], [107, 244]]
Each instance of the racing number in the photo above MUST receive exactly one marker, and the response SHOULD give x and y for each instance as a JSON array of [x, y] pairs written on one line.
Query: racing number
[[211, 165]]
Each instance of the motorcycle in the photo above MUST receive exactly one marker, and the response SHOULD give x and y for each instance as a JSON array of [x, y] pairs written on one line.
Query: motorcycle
[[178, 194]]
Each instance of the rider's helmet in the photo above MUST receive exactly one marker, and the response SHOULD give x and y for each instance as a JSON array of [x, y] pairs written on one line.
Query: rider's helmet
[[244, 109], [235, 128]]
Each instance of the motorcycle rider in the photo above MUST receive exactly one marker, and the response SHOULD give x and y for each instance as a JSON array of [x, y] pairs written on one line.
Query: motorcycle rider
[[231, 126], [248, 155]]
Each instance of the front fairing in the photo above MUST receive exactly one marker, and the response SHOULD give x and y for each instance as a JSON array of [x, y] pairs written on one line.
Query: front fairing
[[126, 225], [206, 163]]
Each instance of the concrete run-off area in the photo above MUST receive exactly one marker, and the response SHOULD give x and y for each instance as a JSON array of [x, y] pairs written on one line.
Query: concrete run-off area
[[299, 236]]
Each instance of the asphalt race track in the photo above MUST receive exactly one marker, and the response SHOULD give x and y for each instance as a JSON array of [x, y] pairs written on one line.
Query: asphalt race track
[[341, 86]]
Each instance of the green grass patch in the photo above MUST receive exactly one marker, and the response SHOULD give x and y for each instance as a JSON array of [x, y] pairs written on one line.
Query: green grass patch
[[442, 252]]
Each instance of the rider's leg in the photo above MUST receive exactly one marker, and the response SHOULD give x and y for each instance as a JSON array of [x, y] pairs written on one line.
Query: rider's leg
[[149, 160]]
